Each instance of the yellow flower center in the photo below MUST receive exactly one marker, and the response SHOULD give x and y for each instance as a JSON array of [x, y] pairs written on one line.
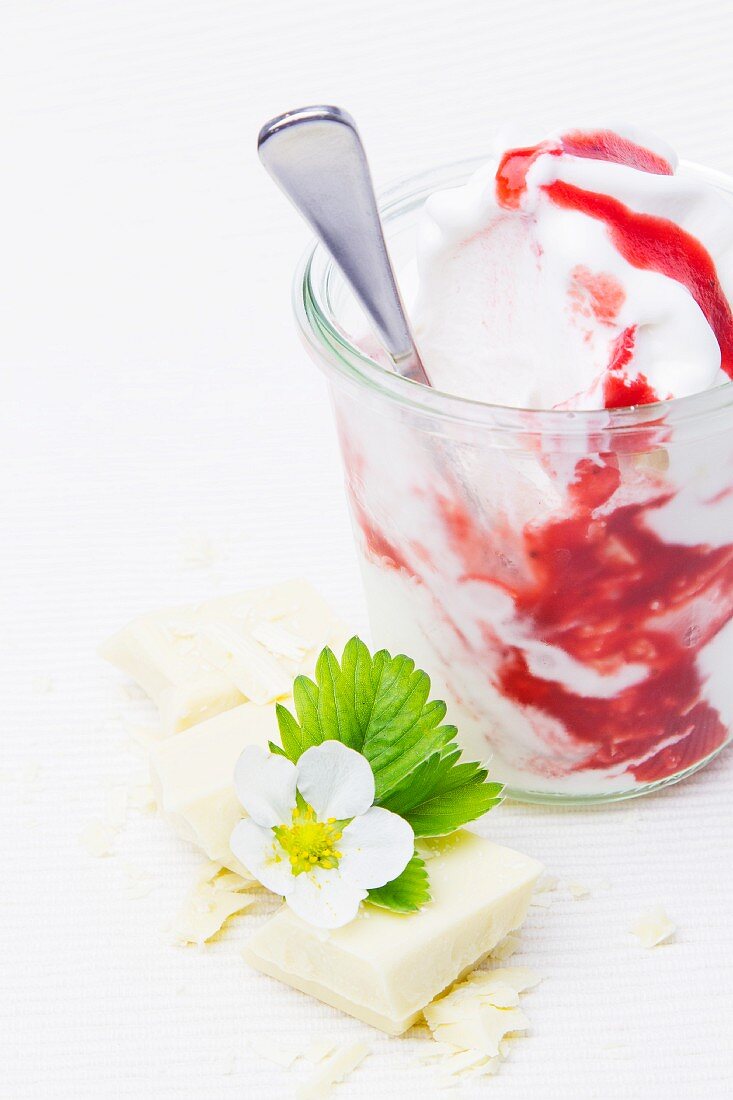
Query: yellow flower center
[[308, 842]]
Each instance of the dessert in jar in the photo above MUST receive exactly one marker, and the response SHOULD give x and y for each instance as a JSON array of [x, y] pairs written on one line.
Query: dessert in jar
[[548, 530]]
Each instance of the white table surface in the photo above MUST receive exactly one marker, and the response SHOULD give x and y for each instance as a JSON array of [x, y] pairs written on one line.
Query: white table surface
[[154, 392]]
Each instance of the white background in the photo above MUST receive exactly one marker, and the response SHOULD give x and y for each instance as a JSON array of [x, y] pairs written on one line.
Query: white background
[[154, 393]]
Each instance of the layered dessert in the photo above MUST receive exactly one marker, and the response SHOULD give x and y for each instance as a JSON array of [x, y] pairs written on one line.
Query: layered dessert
[[564, 572]]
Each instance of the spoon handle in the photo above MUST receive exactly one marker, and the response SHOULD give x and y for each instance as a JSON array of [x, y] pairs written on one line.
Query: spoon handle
[[316, 156]]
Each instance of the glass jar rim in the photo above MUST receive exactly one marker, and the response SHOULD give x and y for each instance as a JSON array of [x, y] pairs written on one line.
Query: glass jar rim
[[332, 347]]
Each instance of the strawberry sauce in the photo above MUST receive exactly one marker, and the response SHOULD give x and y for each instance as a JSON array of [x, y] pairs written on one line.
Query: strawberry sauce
[[657, 244], [610, 146], [597, 583], [619, 388], [645, 241], [604, 589], [511, 175], [595, 294]]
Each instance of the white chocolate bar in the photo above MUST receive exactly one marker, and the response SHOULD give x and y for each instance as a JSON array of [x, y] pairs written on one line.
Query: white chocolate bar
[[384, 967], [193, 773], [199, 660]]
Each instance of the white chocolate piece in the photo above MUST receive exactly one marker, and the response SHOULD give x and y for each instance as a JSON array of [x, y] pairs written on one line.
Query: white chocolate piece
[[335, 1067], [476, 1014], [199, 660], [578, 890], [319, 1049], [483, 1028], [654, 928], [508, 947], [193, 776], [384, 967], [209, 905], [182, 706]]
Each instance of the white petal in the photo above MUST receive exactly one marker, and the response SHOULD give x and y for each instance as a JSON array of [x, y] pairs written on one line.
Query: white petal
[[376, 848], [322, 898], [261, 854], [265, 785], [337, 781]]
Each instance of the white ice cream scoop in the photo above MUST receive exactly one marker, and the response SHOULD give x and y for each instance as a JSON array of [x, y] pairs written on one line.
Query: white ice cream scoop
[[316, 156]]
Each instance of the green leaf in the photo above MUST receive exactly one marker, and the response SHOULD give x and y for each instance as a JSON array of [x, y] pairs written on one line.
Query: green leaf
[[398, 752], [291, 734], [336, 702], [305, 697], [380, 706], [398, 726], [376, 705], [421, 783], [357, 664], [448, 811], [407, 893], [278, 750], [442, 795]]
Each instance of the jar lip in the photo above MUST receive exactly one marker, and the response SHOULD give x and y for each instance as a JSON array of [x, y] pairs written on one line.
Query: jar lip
[[331, 346]]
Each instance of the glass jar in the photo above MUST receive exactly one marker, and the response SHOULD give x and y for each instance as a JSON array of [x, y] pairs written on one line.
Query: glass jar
[[565, 578]]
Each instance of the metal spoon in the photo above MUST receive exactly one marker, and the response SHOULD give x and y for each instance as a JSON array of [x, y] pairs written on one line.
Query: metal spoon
[[316, 156]]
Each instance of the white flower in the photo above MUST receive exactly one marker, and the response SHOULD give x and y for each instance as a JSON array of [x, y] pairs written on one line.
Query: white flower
[[325, 847]]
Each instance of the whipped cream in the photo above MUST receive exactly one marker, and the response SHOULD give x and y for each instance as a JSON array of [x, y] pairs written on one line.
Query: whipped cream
[[584, 271]]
